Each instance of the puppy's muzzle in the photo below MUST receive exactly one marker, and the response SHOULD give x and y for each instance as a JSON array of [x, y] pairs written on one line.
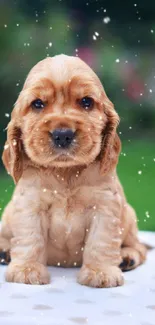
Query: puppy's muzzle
[[62, 138]]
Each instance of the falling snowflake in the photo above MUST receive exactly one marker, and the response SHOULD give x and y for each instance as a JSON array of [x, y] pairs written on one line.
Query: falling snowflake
[[106, 20], [6, 146], [139, 172], [150, 90], [94, 38], [117, 60], [96, 34], [14, 142], [50, 44], [17, 25], [152, 31], [147, 214], [5, 26], [7, 114]]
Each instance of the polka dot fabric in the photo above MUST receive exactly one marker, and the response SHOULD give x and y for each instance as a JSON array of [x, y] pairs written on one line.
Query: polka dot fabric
[[64, 302]]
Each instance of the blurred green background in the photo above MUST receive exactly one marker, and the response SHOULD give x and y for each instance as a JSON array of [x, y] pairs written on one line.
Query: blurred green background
[[117, 39]]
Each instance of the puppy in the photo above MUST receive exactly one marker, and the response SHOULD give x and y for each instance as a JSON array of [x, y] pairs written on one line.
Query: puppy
[[68, 208]]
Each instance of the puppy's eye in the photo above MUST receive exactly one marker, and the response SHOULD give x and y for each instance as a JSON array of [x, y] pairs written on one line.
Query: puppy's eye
[[38, 104], [87, 103]]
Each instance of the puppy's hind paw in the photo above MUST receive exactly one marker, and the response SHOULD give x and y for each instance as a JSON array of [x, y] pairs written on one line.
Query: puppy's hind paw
[[4, 258], [132, 257]]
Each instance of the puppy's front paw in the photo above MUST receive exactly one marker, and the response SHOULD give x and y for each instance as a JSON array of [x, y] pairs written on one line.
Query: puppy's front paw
[[29, 273], [110, 276]]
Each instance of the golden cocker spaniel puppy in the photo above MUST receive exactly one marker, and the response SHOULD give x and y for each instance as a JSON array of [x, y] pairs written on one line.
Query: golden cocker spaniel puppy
[[68, 208]]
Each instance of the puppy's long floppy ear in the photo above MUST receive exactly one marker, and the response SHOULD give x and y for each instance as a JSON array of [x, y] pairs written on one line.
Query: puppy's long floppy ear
[[12, 154], [111, 144]]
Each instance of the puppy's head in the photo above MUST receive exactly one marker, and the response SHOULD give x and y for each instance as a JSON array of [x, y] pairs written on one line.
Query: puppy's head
[[62, 118]]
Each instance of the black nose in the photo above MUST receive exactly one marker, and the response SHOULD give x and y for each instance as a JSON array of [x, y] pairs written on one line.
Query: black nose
[[62, 138]]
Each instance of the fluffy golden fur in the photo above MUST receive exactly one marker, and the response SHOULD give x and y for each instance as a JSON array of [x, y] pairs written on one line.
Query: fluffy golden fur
[[68, 207]]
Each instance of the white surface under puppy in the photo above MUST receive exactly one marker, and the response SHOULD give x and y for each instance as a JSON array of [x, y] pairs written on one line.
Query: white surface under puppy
[[64, 302]]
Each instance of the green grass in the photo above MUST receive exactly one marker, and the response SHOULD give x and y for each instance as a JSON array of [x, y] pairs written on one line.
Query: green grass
[[139, 188], [6, 190]]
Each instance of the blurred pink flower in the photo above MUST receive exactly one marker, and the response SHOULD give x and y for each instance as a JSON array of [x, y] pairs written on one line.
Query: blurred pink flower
[[87, 55], [135, 87]]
